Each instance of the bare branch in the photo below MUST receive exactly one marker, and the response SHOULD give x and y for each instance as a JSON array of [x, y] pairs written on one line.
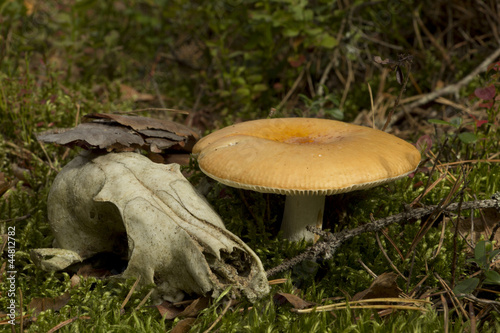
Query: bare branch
[[331, 242], [453, 88]]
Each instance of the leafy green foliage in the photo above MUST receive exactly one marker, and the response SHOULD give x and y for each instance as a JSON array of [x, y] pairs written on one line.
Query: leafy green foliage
[[483, 257]]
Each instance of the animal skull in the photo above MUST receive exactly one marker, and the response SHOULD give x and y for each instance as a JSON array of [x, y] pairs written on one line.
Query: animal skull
[[125, 204]]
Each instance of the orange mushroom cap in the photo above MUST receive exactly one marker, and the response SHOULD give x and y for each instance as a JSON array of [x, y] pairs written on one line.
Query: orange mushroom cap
[[304, 156]]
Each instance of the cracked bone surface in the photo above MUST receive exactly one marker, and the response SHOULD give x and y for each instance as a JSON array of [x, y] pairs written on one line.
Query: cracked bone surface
[[125, 204]]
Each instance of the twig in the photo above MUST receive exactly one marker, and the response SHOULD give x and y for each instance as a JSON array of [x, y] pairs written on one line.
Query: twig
[[77, 116], [494, 231], [198, 99], [219, 317], [453, 88], [427, 225], [320, 232], [456, 304], [441, 49], [21, 320], [455, 234], [324, 77], [367, 269], [428, 187], [441, 240], [446, 313], [470, 161], [277, 281], [158, 93], [66, 322], [472, 316], [291, 91], [309, 81], [47, 156], [144, 300], [17, 219], [23, 150], [320, 90], [381, 42], [371, 103], [327, 247], [131, 291], [350, 80], [479, 300], [364, 304], [387, 257]]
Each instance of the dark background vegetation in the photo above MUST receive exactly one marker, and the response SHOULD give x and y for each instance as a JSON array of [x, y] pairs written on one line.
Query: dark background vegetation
[[230, 60], [236, 60]]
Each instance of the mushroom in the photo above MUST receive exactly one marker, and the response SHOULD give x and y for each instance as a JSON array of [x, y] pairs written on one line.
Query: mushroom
[[305, 159]]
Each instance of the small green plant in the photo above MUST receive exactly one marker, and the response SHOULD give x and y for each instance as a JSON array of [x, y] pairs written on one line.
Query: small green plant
[[326, 105], [488, 96], [458, 123], [483, 256]]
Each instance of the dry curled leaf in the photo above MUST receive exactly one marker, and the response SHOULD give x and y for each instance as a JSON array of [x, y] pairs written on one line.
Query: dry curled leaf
[[93, 135], [168, 310], [114, 132], [295, 301], [150, 215], [49, 303], [384, 286], [184, 325], [142, 123], [481, 227], [196, 307]]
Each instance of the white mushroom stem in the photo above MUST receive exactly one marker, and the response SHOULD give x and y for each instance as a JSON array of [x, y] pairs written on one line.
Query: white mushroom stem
[[301, 211]]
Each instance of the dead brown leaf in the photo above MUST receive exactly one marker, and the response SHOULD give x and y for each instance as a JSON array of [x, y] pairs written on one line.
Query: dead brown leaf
[[384, 286], [157, 145], [94, 135], [75, 280], [49, 303], [143, 123], [115, 132], [53, 303], [481, 226], [168, 310], [196, 307], [183, 326], [171, 311], [295, 301], [88, 270]]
